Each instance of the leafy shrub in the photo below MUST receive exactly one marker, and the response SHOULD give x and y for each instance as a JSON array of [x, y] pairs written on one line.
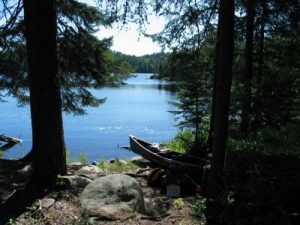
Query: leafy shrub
[[244, 145], [259, 189], [183, 142], [284, 141]]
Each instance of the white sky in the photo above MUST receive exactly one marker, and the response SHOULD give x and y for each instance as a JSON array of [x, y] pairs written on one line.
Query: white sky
[[129, 41]]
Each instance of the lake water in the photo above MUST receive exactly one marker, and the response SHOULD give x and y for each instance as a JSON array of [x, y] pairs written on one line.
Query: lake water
[[140, 108]]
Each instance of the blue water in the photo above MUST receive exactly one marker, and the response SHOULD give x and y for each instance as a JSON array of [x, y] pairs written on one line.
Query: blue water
[[140, 108]]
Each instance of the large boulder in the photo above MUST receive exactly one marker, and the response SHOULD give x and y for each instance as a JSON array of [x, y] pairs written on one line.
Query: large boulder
[[112, 196]]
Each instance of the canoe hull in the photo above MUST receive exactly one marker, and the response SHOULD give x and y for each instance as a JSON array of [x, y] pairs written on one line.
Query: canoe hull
[[166, 158]]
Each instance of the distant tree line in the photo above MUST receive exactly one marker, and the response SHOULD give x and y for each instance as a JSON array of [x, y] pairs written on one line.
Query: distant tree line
[[152, 63]]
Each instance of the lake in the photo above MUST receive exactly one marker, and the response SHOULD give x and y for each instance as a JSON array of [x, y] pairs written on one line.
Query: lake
[[139, 108]]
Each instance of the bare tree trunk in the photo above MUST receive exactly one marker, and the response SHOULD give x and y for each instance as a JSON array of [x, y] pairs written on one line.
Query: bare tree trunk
[[247, 97], [213, 102], [48, 150], [257, 106], [225, 61]]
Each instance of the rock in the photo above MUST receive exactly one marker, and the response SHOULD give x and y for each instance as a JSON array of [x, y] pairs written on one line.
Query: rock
[[140, 161], [123, 162], [73, 167], [47, 203], [78, 181], [91, 171], [112, 161], [75, 164], [112, 196]]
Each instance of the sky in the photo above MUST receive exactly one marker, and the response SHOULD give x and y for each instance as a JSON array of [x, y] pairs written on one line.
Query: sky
[[129, 41]]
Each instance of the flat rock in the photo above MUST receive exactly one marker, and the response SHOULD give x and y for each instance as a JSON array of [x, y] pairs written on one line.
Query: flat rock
[[112, 196], [47, 202], [91, 171], [140, 161], [76, 181]]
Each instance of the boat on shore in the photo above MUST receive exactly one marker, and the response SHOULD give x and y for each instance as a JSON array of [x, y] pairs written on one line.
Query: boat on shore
[[9, 142], [165, 158]]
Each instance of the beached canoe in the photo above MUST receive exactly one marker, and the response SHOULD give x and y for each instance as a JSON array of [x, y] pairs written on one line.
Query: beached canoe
[[165, 158]]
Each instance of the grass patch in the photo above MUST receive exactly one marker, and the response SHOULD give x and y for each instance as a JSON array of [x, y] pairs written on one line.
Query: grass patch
[[118, 166], [83, 158]]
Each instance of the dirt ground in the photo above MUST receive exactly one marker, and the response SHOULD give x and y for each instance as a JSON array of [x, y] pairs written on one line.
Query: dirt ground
[[62, 207]]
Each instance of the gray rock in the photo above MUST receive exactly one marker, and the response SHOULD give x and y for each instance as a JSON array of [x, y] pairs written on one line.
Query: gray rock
[[78, 181], [112, 160], [112, 196], [123, 162], [47, 203], [90, 169], [75, 164]]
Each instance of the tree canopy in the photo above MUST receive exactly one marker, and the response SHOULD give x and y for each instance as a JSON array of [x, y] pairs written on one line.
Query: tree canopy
[[85, 62]]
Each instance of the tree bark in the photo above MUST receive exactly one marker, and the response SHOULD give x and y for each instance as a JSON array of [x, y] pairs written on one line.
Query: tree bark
[[48, 150], [213, 102], [247, 96], [225, 61], [257, 104]]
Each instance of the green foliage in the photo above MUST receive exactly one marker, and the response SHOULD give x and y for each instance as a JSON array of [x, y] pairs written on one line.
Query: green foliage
[[192, 97], [62, 181], [13, 221], [199, 208], [83, 158], [153, 63], [117, 166], [182, 143], [69, 159], [283, 141], [275, 80], [179, 203], [244, 145], [259, 189], [85, 62], [1, 153]]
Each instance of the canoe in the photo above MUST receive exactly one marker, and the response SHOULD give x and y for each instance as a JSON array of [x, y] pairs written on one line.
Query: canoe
[[10, 142], [166, 158]]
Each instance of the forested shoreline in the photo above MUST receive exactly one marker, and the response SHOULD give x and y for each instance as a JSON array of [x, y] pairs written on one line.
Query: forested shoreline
[[153, 63]]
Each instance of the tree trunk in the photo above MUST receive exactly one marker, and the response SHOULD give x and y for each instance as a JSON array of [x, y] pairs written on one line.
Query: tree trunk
[[257, 104], [48, 150], [225, 61], [247, 96], [213, 102]]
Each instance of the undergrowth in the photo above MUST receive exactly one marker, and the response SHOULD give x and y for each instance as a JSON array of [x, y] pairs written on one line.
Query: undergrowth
[[117, 166]]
